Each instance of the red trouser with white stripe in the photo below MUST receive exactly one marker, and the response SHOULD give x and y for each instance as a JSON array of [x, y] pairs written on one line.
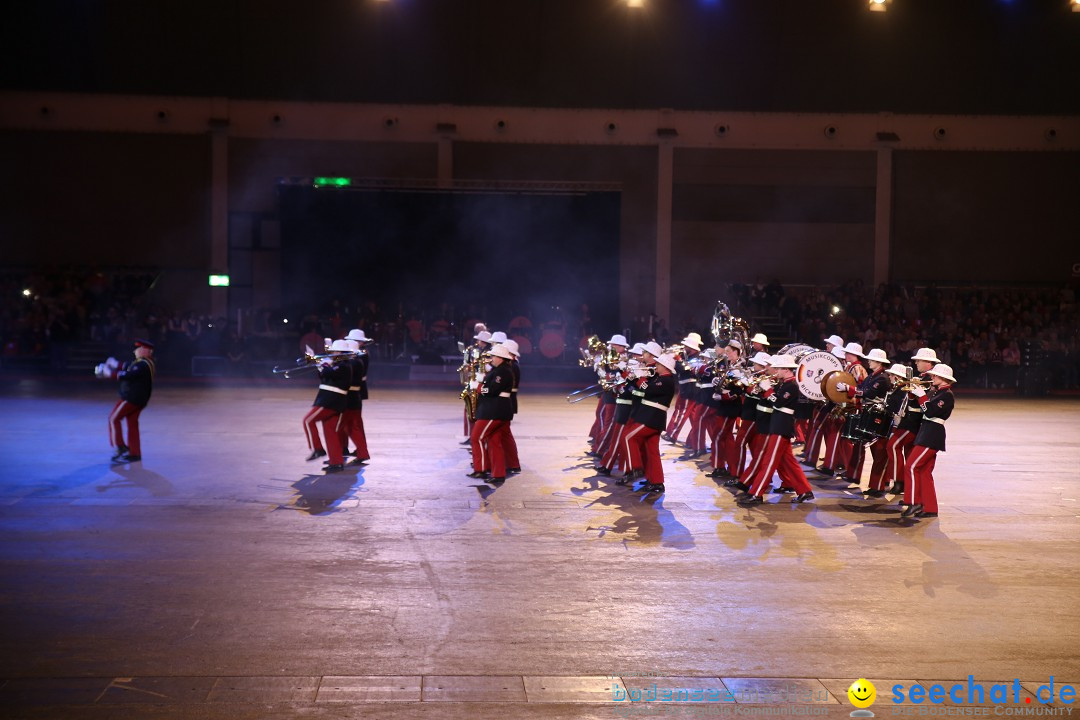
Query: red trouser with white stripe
[[642, 445], [689, 407], [510, 448], [854, 460], [877, 468], [755, 445], [700, 420], [747, 432], [833, 426], [595, 429], [817, 434], [488, 449], [606, 419], [919, 478], [331, 422], [722, 441], [352, 428], [123, 409], [776, 457], [678, 414], [896, 451], [615, 454]]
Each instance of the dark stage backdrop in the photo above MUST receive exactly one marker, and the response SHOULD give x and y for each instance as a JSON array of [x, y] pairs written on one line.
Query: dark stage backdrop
[[498, 254]]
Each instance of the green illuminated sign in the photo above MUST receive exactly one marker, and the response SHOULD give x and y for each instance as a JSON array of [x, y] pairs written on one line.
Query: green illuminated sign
[[332, 182], [219, 281]]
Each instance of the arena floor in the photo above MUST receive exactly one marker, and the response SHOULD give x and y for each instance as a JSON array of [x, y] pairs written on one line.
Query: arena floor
[[225, 577]]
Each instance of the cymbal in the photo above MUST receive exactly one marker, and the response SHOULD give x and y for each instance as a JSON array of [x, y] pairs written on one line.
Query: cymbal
[[828, 385]]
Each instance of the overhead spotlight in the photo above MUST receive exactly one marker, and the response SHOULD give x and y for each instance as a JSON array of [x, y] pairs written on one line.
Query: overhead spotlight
[[26, 292], [1075, 5], [878, 5], [635, 3]]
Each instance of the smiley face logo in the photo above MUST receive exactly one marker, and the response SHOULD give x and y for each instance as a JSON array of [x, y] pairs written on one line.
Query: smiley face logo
[[862, 693]]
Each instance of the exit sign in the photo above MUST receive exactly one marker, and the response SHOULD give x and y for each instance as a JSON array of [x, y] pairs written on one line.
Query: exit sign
[[219, 281]]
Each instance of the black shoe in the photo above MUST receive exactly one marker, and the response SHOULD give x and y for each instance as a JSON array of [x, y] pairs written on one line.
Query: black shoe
[[782, 490], [349, 453], [513, 471], [874, 493], [333, 468], [602, 471], [121, 451], [496, 481], [896, 489], [731, 482], [741, 486], [912, 510], [667, 438], [748, 500], [804, 497], [127, 458], [316, 454], [652, 488], [358, 461], [478, 475], [827, 472], [627, 479], [926, 515], [590, 453], [466, 441]]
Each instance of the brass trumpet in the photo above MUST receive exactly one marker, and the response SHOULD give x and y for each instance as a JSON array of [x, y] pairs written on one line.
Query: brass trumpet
[[911, 384]]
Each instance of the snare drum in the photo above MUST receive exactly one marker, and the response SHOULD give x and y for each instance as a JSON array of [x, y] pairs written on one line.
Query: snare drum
[[873, 424]]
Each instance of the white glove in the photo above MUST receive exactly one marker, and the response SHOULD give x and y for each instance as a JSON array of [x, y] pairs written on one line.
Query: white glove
[[766, 384], [842, 387], [484, 390], [487, 367], [621, 365], [717, 396], [918, 392], [474, 384]]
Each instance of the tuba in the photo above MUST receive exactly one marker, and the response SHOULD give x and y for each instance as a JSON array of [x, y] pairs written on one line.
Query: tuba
[[725, 328]]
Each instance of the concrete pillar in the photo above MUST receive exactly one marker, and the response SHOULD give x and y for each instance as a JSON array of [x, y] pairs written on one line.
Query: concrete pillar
[[446, 162], [219, 217], [664, 185], [883, 216]]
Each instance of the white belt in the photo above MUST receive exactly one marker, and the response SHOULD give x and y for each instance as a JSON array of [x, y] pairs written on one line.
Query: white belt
[[683, 382], [914, 410], [786, 411], [705, 385], [504, 394], [624, 402], [939, 421], [656, 405], [764, 409], [354, 388], [333, 389]]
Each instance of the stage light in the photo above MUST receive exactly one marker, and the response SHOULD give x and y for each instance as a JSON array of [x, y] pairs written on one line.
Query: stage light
[[285, 320], [878, 5], [835, 310], [26, 292], [1075, 5], [219, 281], [635, 3]]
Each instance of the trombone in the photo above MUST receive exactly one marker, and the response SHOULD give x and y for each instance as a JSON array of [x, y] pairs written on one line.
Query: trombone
[[309, 362]]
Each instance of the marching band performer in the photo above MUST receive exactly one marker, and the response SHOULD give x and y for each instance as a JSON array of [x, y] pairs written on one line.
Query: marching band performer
[[335, 378], [816, 433], [687, 383], [782, 393], [624, 403], [896, 406], [513, 463], [647, 419], [473, 353], [937, 406], [352, 424], [903, 436], [136, 386], [746, 439], [838, 449], [494, 410], [703, 411], [606, 404], [728, 406], [875, 386], [759, 343]]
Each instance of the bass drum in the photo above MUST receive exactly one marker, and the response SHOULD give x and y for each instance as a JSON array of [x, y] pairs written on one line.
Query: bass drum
[[552, 344], [812, 369], [828, 386]]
